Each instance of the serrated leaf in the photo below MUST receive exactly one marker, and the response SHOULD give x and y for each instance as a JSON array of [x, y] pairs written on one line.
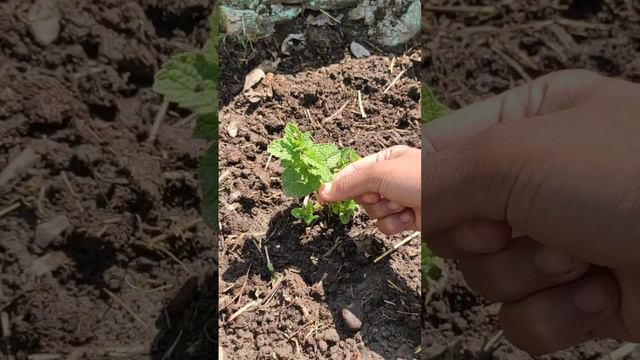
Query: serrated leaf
[[281, 149], [292, 133], [206, 127], [208, 174], [190, 81], [298, 184]]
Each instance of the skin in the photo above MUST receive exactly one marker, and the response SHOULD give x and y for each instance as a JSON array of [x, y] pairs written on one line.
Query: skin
[[536, 192]]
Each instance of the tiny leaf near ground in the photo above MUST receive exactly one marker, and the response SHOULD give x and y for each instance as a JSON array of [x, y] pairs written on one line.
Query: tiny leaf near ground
[[191, 81], [431, 108], [308, 165]]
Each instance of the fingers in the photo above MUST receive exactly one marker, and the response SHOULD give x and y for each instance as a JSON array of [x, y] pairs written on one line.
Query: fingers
[[521, 269], [383, 208], [389, 174], [563, 316], [498, 142], [386, 154], [545, 95], [397, 223], [470, 239]]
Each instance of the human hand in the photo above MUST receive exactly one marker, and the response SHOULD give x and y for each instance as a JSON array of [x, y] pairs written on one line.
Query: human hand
[[558, 162], [386, 185]]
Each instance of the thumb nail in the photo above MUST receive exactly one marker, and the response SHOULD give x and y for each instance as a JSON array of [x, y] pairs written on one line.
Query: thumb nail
[[326, 188]]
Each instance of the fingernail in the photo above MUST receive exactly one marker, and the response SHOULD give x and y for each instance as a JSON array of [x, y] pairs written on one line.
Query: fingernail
[[591, 298], [326, 188], [552, 262], [394, 206], [406, 217]]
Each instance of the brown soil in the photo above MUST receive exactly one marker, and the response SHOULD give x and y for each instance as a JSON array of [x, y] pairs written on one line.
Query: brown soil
[[461, 67], [85, 106], [313, 284]]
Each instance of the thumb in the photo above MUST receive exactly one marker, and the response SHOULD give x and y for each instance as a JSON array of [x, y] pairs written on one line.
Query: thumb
[[476, 178], [471, 157], [372, 175]]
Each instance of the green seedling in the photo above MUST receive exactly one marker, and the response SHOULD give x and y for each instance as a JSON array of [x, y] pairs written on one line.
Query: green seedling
[[307, 165], [191, 81], [431, 108]]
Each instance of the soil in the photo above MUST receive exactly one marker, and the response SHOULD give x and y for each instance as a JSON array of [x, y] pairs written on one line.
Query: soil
[[461, 67], [326, 267], [78, 278]]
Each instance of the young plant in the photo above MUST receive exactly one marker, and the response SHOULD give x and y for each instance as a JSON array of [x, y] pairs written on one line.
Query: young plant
[[191, 81], [431, 108], [308, 165]]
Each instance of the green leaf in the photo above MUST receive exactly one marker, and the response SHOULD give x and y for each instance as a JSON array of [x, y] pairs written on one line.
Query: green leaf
[[189, 80], [292, 133], [305, 213], [281, 149], [208, 174], [206, 127], [297, 183], [345, 210], [347, 156], [431, 108]]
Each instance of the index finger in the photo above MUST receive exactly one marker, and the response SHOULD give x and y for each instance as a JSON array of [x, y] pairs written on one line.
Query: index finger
[[545, 95]]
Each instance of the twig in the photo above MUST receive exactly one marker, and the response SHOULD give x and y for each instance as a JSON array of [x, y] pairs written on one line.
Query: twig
[[237, 297], [241, 310], [511, 62], [335, 245], [44, 356], [489, 346], [329, 15], [392, 65], [364, 115], [301, 328], [581, 24], [162, 237], [9, 208], [175, 258], [335, 114], [268, 161], [622, 352], [273, 291], [65, 179], [395, 80], [396, 246], [489, 10], [167, 354], [391, 285], [158, 120], [121, 303]]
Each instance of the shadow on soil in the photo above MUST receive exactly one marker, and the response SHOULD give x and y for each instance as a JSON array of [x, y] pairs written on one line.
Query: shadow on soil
[[188, 324], [343, 278]]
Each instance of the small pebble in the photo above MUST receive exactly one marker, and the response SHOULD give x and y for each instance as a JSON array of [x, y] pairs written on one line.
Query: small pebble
[[352, 321], [232, 129]]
